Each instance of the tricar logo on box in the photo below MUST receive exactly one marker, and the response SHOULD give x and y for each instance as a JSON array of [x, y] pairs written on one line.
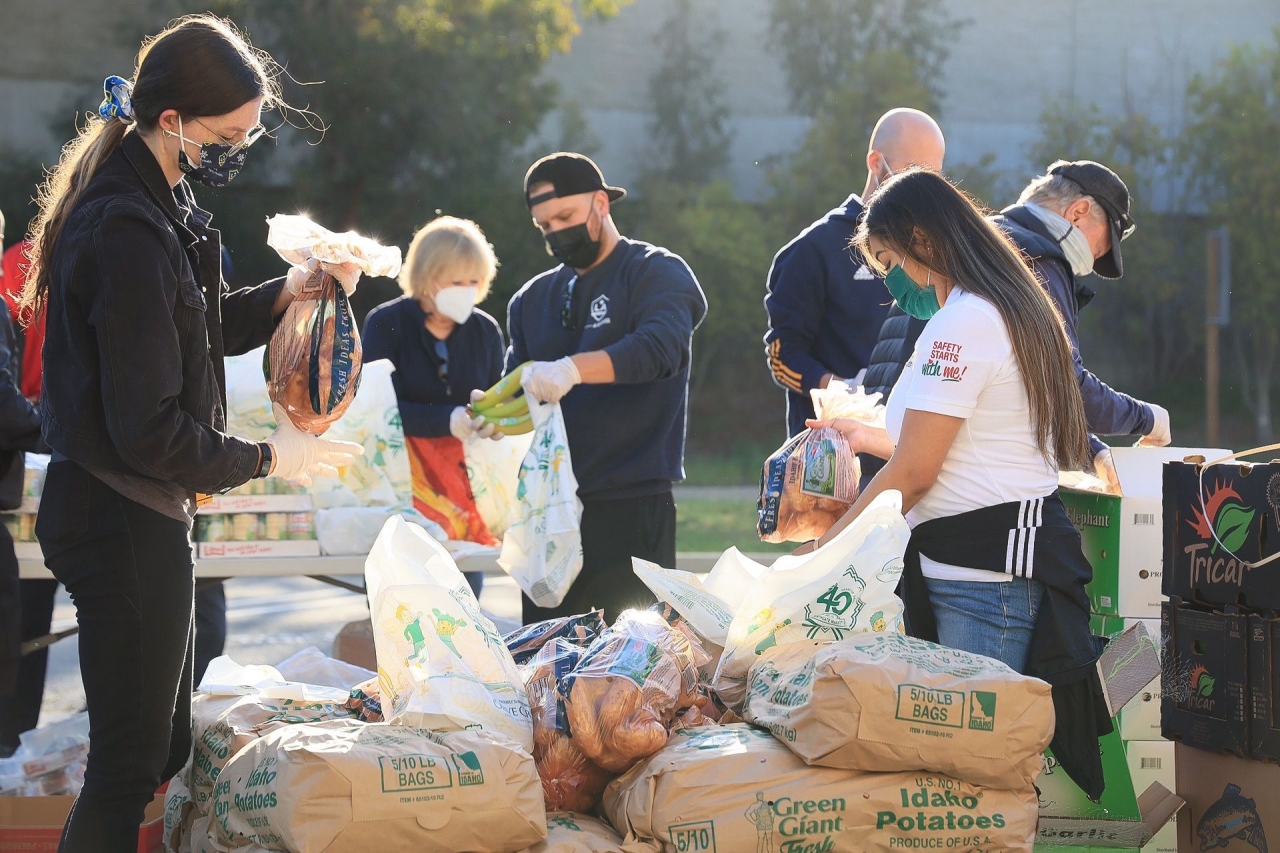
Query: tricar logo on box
[[1201, 689], [1224, 524], [1232, 816]]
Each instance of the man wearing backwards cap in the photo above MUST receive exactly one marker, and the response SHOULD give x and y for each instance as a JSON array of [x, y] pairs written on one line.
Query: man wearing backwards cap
[[1070, 222], [616, 318]]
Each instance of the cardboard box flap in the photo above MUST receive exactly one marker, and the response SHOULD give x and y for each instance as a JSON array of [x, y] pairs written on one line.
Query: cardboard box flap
[[1158, 806], [1131, 662], [1138, 468]]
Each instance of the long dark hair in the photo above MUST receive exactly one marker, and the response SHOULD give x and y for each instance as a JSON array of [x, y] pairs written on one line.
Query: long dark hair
[[975, 254], [200, 66]]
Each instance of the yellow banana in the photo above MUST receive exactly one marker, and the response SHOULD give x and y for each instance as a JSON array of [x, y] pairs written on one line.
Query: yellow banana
[[505, 388], [514, 407], [511, 426]]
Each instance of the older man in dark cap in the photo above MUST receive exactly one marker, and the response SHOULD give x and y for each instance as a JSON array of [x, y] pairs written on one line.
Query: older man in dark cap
[[610, 333]]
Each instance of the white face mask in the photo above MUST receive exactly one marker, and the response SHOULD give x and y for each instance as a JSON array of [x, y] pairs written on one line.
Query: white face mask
[[1072, 240], [456, 303]]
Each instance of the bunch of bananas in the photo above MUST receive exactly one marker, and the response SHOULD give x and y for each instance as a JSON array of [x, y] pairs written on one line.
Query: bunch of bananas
[[499, 406]]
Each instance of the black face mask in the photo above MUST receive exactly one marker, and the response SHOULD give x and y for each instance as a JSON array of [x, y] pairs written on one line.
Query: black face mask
[[573, 246]]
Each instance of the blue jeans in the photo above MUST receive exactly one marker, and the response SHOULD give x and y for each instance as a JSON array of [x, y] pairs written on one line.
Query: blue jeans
[[992, 619]]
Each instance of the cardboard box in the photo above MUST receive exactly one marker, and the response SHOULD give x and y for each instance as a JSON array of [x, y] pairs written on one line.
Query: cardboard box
[[354, 644], [227, 504], [1264, 688], [1153, 761], [1211, 539], [1121, 536], [1122, 819], [1206, 679], [243, 550], [1140, 718], [1233, 804], [34, 824]]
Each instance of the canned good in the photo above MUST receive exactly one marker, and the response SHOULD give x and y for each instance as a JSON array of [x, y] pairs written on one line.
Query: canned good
[[244, 527], [277, 526], [213, 528], [302, 525]]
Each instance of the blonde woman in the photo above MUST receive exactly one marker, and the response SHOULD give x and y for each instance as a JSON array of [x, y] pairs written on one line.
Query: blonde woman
[[442, 347]]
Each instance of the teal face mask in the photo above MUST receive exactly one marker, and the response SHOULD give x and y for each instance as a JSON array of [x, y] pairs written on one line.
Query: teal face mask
[[919, 302]]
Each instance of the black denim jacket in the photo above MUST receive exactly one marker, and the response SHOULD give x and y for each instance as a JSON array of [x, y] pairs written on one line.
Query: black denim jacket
[[133, 374]]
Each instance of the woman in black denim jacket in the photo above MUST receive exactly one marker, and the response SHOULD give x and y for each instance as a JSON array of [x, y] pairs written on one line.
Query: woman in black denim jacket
[[127, 271]]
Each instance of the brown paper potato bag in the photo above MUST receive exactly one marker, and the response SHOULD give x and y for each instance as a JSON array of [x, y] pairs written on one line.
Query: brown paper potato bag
[[736, 789], [349, 787], [574, 832], [892, 702]]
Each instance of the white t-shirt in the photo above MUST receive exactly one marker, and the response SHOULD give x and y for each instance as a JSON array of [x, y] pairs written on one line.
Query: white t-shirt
[[964, 366]]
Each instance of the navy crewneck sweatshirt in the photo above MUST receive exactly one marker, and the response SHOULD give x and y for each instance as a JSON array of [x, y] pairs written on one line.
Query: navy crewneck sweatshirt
[[640, 306]]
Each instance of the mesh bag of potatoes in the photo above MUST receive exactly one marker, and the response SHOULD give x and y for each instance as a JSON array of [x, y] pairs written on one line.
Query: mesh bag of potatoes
[[891, 702], [736, 788], [348, 787]]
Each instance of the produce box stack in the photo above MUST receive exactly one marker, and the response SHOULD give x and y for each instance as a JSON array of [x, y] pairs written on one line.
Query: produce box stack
[[1221, 630], [262, 518], [1121, 536]]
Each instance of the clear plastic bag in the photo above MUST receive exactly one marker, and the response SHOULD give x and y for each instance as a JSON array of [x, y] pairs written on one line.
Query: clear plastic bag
[[312, 364], [524, 643], [624, 693], [810, 482]]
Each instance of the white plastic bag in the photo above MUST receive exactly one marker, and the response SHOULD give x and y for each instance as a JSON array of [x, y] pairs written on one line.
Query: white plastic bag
[[297, 239], [841, 400], [441, 663], [354, 529], [493, 467], [708, 604], [542, 550], [312, 666], [845, 587]]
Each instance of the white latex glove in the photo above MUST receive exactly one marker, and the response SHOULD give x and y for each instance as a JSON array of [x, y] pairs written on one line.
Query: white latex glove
[[1160, 436], [347, 275], [1105, 470], [463, 426], [296, 455], [548, 381]]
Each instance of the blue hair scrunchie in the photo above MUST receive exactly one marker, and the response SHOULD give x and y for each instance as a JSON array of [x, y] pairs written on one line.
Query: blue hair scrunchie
[[118, 101]]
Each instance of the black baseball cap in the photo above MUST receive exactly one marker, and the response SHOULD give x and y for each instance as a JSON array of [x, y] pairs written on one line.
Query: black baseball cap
[[1105, 187], [569, 174]]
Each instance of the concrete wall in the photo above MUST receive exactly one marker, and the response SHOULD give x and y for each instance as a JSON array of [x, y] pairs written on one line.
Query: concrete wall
[[1010, 57]]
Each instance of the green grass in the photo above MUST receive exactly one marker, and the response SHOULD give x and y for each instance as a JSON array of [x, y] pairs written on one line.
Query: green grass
[[715, 525], [737, 465]]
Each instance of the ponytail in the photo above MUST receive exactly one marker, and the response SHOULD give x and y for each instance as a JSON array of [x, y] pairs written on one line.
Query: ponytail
[[81, 159]]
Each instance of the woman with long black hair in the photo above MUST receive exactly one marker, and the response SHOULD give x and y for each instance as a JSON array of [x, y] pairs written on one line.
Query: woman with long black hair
[[985, 414], [125, 267]]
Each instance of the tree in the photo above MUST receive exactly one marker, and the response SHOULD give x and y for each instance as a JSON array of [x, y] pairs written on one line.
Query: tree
[[728, 245], [1146, 320], [688, 135], [817, 40], [427, 105], [831, 161], [1229, 151]]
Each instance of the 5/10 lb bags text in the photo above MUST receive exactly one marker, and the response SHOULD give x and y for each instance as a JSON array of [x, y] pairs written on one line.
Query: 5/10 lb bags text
[[734, 789], [346, 787]]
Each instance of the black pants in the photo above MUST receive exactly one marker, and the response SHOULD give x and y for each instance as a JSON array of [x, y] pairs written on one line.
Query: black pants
[[20, 711], [612, 533], [211, 626], [10, 617], [130, 573]]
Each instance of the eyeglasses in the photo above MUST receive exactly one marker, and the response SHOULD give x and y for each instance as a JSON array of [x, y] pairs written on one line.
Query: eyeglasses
[[442, 353], [566, 311], [251, 137]]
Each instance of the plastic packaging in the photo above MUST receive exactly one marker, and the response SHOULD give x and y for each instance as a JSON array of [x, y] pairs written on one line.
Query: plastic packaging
[[581, 630], [313, 361], [625, 691]]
